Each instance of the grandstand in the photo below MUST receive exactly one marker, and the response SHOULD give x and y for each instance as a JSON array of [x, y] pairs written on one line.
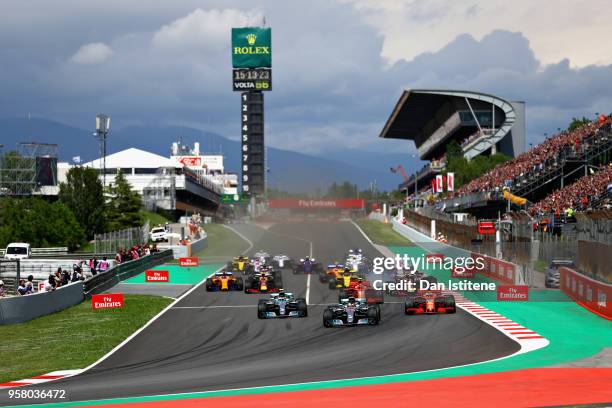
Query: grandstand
[[560, 160], [481, 123]]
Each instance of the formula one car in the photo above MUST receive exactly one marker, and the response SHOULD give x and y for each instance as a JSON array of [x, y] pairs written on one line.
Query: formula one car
[[282, 261], [281, 305], [308, 265], [362, 291], [333, 272], [263, 257], [263, 282], [351, 313], [429, 302], [344, 280], [240, 264], [223, 281]]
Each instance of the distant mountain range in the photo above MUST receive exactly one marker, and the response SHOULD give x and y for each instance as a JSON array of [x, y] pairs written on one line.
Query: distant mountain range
[[289, 170]]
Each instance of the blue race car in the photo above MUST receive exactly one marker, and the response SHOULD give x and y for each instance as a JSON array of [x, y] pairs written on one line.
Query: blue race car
[[308, 265]]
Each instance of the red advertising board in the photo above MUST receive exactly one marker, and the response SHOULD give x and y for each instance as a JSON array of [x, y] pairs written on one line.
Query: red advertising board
[[513, 293], [189, 261], [152, 275], [317, 204], [458, 272], [190, 161], [486, 227], [107, 301]]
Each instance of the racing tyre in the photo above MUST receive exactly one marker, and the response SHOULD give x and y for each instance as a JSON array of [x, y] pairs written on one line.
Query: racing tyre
[[247, 285], [239, 285], [261, 309], [409, 303], [373, 315], [328, 316], [323, 278], [450, 304], [209, 285], [302, 307], [332, 284]]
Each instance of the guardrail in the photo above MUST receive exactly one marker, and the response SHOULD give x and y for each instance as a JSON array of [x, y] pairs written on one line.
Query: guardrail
[[43, 251], [104, 281], [593, 295]]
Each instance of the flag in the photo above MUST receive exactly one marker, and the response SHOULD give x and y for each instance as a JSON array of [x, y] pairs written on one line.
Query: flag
[[433, 186], [439, 184], [450, 181]]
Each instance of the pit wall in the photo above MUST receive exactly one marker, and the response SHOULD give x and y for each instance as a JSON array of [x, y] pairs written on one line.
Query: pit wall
[[593, 295]]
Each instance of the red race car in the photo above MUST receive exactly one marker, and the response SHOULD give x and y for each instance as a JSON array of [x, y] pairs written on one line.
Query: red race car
[[262, 283], [429, 302], [361, 290]]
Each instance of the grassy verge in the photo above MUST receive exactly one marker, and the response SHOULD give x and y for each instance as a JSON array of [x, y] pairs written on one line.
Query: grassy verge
[[153, 218], [222, 242], [73, 338], [382, 234]]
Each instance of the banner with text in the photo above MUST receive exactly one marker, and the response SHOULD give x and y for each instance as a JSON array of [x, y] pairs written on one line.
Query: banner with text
[[251, 47]]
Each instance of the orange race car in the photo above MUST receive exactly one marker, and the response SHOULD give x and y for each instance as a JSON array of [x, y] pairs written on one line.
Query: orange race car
[[333, 272], [222, 282]]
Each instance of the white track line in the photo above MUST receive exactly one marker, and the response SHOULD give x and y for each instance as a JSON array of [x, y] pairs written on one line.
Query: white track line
[[170, 306], [363, 233], [211, 307]]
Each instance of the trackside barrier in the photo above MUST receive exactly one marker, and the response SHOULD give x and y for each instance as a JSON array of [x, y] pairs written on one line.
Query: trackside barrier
[[593, 295], [376, 216], [104, 281], [496, 269], [184, 251], [20, 309]]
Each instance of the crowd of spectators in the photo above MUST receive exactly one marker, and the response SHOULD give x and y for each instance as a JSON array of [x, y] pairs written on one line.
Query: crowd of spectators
[[578, 196], [135, 252], [534, 161]]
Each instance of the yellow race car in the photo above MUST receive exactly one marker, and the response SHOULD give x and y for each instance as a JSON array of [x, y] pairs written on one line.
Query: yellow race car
[[333, 271], [240, 264], [344, 280]]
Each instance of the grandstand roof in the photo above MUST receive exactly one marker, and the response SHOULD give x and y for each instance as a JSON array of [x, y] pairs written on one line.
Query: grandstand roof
[[430, 116], [133, 157]]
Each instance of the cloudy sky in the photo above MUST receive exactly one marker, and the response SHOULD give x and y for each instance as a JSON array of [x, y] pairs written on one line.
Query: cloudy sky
[[339, 66]]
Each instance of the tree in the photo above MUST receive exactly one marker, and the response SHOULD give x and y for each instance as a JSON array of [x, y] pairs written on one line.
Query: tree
[[467, 170], [83, 194], [453, 150], [39, 223], [124, 205], [576, 123]]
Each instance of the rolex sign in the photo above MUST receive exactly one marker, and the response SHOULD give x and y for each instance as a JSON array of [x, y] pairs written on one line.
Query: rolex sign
[[251, 47]]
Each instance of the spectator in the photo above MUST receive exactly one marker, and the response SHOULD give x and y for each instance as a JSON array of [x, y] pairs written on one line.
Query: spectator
[[76, 276], [2, 290], [93, 266], [103, 265], [30, 284], [22, 289], [58, 277], [65, 277], [50, 284]]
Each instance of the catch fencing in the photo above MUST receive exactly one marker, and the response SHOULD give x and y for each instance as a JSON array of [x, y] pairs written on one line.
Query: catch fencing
[[111, 242]]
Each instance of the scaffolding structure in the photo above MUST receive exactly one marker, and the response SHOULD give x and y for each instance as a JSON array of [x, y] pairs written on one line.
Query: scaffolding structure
[[24, 171]]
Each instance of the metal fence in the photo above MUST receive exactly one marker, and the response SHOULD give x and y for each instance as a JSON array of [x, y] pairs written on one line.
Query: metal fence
[[111, 242], [10, 275]]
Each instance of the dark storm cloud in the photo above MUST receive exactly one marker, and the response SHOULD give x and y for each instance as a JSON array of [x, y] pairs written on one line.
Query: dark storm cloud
[[164, 63]]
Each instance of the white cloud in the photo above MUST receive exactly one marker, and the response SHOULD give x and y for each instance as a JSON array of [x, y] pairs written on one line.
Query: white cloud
[[557, 29], [93, 53], [204, 29]]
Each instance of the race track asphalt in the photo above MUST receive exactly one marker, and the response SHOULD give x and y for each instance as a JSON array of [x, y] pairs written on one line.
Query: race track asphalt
[[214, 341]]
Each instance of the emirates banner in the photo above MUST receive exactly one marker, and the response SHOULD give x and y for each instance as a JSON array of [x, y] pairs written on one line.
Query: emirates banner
[[322, 203]]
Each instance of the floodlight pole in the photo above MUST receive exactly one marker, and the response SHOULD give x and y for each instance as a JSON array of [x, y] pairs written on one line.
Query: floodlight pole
[[102, 128]]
